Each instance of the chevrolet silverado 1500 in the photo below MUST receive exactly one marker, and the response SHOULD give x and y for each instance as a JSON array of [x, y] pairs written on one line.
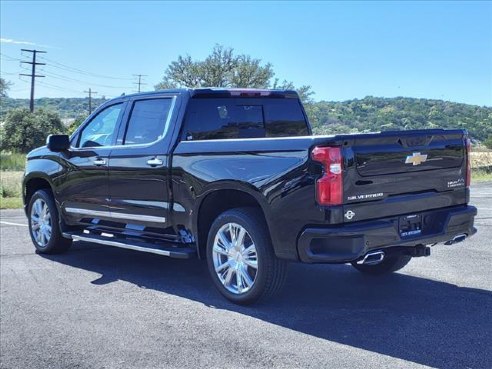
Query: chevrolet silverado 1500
[[237, 178]]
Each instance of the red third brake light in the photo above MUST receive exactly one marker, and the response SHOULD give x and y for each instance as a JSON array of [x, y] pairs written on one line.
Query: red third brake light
[[329, 188], [468, 162]]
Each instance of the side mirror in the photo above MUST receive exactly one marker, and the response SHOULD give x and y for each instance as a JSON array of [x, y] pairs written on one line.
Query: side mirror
[[58, 142]]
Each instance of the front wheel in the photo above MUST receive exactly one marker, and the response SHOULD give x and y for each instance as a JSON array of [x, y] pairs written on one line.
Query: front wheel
[[240, 257], [43, 224]]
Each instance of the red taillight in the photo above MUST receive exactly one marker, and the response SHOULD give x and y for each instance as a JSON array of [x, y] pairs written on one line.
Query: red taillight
[[468, 162], [329, 188]]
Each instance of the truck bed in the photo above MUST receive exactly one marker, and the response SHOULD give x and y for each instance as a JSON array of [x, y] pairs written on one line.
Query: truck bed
[[280, 174]]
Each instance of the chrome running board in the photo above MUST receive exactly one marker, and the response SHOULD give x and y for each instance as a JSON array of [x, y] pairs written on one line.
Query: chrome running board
[[132, 244]]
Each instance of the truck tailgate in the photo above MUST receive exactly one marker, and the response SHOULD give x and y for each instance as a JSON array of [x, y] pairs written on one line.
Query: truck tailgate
[[400, 172]]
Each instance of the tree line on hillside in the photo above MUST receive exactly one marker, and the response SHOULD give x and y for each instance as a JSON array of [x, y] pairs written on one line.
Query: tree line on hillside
[[223, 68], [67, 108], [400, 113]]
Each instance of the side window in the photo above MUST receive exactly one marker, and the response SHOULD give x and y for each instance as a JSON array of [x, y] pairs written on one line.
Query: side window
[[148, 121], [284, 118], [101, 129], [209, 119]]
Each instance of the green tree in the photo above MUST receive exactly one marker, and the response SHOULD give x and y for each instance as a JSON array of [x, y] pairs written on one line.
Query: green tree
[[4, 87], [24, 131], [75, 124], [305, 92], [223, 68]]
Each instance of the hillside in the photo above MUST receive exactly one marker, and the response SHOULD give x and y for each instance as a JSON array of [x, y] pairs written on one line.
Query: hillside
[[327, 117], [71, 107], [401, 113]]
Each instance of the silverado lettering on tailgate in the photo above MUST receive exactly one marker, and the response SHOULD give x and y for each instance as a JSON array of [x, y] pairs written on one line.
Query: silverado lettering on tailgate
[[366, 196]]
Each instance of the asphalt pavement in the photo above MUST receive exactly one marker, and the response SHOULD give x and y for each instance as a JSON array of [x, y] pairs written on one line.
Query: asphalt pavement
[[103, 307]]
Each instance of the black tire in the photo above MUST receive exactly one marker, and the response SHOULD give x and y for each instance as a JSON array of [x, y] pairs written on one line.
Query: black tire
[[389, 265], [56, 243], [270, 272]]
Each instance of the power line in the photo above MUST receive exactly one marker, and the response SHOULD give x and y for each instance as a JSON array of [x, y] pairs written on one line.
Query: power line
[[58, 65], [55, 64], [18, 89], [33, 74], [90, 92], [56, 87], [70, 79], [67, 69], [60, 88], [10, 57], [139, 82]]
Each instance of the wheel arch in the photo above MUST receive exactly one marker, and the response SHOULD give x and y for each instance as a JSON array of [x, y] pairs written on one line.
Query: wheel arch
[[221, 198], [32, 183]]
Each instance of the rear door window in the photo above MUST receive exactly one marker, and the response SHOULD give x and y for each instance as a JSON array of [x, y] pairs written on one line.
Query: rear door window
[[233, 118]]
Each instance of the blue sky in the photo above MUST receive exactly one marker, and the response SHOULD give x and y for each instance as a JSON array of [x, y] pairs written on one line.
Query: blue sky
[[343, 50]]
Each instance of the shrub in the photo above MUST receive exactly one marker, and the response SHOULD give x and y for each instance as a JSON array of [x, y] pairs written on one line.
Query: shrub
[[24, 131]]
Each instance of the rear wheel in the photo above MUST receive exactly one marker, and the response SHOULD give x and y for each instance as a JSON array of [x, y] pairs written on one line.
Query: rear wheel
[[43, 224], [240, 257], [389, 264]]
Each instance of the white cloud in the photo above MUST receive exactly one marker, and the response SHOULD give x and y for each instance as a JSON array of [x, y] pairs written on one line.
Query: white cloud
[[29, 43], [17, 42]]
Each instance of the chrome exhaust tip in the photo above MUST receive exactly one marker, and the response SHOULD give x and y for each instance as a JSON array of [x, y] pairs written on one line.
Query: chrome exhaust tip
[[372, 258], [456, 239]]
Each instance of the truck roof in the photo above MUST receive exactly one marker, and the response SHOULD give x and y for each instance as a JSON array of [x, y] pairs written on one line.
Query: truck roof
[[226, 92]]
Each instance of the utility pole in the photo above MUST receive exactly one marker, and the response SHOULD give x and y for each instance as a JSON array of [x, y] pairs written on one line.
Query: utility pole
[[90, 92], [33, 74], [139, 83]]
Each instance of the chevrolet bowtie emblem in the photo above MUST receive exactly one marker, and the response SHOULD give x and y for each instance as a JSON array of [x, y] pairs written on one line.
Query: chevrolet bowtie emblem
[[416, 158]]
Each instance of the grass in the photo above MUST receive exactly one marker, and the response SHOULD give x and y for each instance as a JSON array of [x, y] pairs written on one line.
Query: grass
[[12, 167], [11, 184], [12, 161], [10, 203], [482, 174], [10, 189]]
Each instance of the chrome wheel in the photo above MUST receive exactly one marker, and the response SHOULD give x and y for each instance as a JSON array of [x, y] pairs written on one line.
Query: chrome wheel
[[235, 258], [41, 222]]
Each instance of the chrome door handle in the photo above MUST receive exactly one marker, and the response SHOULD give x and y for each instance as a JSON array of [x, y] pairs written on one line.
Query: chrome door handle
[[99, 162], [154, 162]]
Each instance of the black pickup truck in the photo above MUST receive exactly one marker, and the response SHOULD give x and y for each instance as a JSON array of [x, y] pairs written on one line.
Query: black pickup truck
[[236, 177]]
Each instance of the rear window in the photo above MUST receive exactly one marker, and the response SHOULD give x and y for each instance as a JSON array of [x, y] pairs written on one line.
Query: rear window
[[226, 118], [284, 118]]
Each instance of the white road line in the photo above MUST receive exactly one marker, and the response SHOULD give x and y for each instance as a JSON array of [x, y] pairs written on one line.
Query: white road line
[[16, 224]]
